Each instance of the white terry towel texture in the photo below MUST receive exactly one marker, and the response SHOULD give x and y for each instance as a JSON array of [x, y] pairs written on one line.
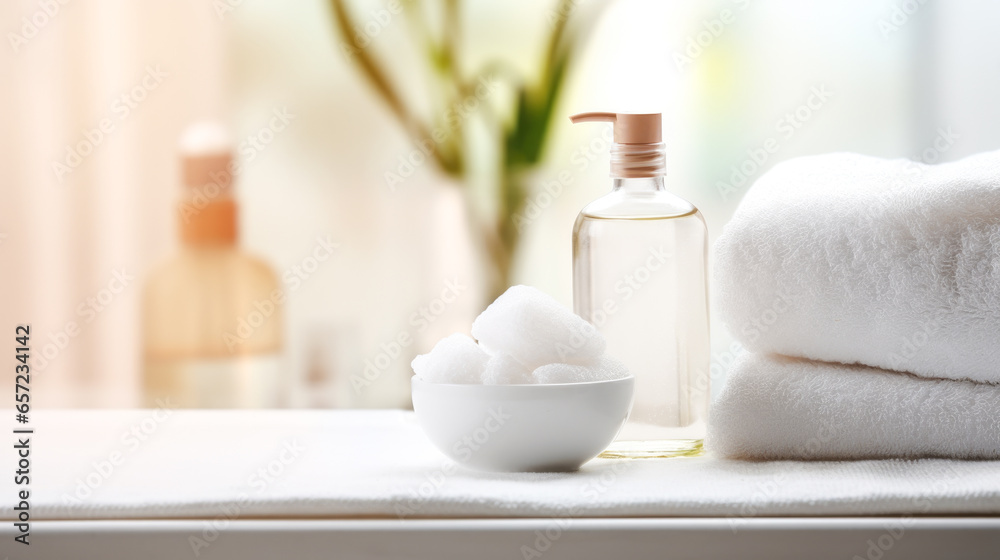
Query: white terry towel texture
[[854, 259], [775, 407], [203, 464]]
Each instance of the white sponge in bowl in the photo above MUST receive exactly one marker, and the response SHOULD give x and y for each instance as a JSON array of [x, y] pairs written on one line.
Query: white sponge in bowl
[[536, 330], [525, 337], [606, 369], [454, 359]]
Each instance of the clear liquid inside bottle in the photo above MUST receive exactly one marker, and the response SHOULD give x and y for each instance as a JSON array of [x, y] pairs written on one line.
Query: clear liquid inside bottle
[[639, 257]]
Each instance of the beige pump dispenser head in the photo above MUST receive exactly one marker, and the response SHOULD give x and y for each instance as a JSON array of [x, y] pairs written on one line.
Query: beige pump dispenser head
[[638, 150]]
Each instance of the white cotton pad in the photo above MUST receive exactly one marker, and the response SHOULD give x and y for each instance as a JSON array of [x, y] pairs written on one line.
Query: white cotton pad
[[606, 369], [503, 369], [454, 359], [536, 330]]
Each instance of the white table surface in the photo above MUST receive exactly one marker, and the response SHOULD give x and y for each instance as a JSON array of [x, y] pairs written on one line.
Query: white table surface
[[369, 482]]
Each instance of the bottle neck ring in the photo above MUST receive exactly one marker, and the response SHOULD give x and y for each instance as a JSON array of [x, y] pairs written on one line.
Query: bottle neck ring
[[631, 161]]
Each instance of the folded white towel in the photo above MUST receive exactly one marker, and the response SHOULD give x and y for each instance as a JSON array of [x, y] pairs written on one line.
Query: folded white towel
[[774, 407], [854, 259]]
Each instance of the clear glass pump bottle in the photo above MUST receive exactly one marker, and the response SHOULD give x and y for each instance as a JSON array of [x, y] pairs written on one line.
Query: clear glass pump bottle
[[640, 276]]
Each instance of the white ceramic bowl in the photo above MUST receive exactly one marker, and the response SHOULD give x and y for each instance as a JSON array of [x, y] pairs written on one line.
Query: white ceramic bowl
[[532, 428]]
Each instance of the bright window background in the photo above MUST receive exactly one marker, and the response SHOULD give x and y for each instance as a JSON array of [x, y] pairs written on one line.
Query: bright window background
[[899, 75]]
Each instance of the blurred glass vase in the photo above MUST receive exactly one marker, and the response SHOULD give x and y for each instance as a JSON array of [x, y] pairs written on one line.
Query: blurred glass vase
[[517, 108]]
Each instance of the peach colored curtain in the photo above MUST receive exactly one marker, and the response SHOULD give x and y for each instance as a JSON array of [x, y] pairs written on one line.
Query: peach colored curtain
[[93, 97]]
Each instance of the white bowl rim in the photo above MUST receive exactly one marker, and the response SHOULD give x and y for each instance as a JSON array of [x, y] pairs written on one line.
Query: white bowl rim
[[417, 379]]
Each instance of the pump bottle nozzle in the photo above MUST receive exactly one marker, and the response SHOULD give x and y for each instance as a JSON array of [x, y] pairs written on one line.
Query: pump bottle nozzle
[[638, 150]]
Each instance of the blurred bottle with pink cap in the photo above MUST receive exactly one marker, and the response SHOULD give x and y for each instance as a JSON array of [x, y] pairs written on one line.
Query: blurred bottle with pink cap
[[212, 314]]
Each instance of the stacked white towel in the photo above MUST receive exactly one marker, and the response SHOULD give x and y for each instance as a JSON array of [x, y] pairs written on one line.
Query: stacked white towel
[[775, 407], [850, 259]]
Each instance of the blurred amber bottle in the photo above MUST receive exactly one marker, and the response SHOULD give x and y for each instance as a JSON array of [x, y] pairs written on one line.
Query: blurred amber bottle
[[212, 314]]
